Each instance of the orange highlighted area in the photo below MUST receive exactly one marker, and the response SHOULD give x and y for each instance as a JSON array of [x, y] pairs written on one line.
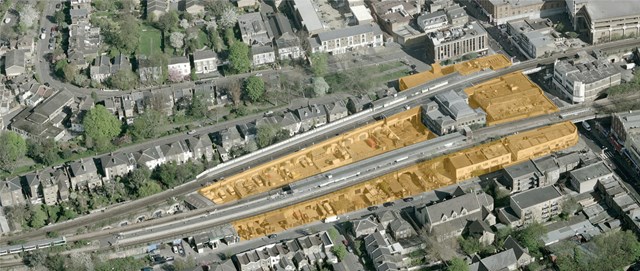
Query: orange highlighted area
[[508, 98], [493, 62], [400, 130], [425, 176]]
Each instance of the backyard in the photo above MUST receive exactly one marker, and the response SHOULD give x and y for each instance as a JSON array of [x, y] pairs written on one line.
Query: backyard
[[150, 40]]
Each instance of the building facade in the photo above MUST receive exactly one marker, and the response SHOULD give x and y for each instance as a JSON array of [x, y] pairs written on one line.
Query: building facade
[[584, 77], [502, 11], [347, 39], [456, 42]]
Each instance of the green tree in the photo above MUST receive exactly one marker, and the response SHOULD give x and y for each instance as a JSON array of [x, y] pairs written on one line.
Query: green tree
[[13, 147], [197, 108], [101, 126], [59, 17], [340, 251], [229, 36], [146, 125], [470, 245], [216, 41], [136, 178], [38, 217], [168, 21], [319, 65], [265, 135], [529, 237], [572, 35], [560, 27], [69, 72], [44, 151], [239, 58], [149, 188], [216, 7], [253, 88], [457, 264], [124, 79], [320, 86], [34, 258]]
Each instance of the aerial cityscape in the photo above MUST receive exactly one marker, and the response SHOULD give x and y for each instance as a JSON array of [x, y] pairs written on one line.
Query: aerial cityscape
[[320, 135]]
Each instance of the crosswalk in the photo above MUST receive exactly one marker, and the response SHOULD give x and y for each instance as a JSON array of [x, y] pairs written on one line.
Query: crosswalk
[[606, 155]]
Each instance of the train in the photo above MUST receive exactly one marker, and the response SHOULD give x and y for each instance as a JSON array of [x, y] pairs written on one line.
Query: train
[[40, 244]]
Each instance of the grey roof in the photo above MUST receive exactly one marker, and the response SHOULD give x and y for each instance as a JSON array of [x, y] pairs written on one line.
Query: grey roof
[[518, 250], [157, 5], [179, 60], [204, 54], [536, 196], [78, 12], [477, 226], [280, 25], [592, 171], [172, 149], [364, 224], [600, 10], [521, 169], [629, 119], [310, 18], [496, 262], [545, 164], [471, 202], [349, 32], [586, 68], [113, 160], [148, 154], [427, 19], [84, 166], [288, 119], [54, 103], [261, 49], [455, 104], [14, 58]]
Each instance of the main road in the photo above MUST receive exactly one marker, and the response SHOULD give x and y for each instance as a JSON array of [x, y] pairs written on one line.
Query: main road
[[296, 143]]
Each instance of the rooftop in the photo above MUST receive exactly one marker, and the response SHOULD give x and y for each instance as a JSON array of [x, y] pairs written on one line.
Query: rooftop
[[592, 171], [310, 18], [521, 169], [456, 33], [600, 10], [586, 68], [349, 32], [536, 196]]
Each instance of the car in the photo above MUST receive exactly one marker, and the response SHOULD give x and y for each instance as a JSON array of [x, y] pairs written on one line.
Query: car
[[47, 84], [58, 6], [388, 204], [42, 30], [7, 20], [345, 242], [191, 132], [407, 199], [372, 208], [168, 259], [258, 74], [271, 236], [174, 249]]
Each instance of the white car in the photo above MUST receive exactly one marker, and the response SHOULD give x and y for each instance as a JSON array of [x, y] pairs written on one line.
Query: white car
[[7, 20]]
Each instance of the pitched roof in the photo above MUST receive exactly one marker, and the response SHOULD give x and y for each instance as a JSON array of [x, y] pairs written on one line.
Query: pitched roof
[[84, 166]]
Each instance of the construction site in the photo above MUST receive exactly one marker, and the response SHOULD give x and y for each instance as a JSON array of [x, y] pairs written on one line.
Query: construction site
[[419, 178], [508, 98], [397, 131], [493, 62]]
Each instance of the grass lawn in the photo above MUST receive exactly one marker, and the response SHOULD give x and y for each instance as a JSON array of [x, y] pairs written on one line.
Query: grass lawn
[[150, 40]]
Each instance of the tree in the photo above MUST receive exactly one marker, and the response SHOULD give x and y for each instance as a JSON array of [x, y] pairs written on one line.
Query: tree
[[457, 264], [197, 108], [470, 245], [59, 17], [217, 7], [175, 75], [239, 58], [265, 135], [216, 41], [38, 217], [320, 86], [235, 91], [177, 40], [34, 258], [146, 125], [572, 35], [44, 151], [13, 147], [124, 79], [529, 237], [184, 23], [125, 35], [560, 27], [339, 250], [29, 16], [168, 21], [101, 126], [149, 188], [228, 18], [319, 65], [229, 36], [254, 88]]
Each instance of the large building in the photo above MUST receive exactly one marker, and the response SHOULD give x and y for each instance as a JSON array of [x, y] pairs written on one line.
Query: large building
[[346, 39], [253, 29], [455, 42], [584, 77], [449, 112], [534, 38], [625, 134], [537, 205], [306, 16], [603, 21], [502, 11]]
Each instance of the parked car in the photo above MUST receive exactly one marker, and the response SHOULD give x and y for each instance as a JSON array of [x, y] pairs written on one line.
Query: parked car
[[372, 208], [388, 204], [271, 236], [407, 199]]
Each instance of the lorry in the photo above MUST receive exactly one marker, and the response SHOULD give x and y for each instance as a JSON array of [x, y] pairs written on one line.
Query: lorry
[[331, 219]]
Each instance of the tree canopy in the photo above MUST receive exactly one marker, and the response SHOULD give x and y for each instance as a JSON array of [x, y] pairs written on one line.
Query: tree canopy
[[44, 151], [613, 251], [457, 264], [124, 79], [124, 35], [239, 58], [13, 147], [101, 126], [146, 125], [168, 21], [320, 86], [254, 88], [265, 135]]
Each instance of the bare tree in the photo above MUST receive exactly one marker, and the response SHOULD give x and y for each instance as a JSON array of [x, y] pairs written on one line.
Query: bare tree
[[235, 91], [177, 40], [228, 18], [443, 250], [29, 16]]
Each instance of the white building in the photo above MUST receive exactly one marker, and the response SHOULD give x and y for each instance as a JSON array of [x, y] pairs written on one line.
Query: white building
[[181, 65], [205, 61]]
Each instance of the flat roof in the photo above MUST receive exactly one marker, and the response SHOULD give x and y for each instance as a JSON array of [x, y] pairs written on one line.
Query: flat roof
[[361, 13], [599, 9], [309, 14], [591, 172], [521, 169], [536, 196], [349, 31]]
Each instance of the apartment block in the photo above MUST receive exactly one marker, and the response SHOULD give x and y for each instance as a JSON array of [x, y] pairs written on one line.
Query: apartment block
[[534, 38], [347, 39], [456, 42], [584, 77], [537, 205]]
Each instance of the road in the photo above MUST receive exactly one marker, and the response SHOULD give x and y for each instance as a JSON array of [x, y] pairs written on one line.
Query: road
[[297, 143], [192, 222]]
